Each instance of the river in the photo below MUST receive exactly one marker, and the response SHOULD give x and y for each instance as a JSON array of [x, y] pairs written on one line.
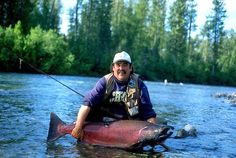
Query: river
[[26, 101]]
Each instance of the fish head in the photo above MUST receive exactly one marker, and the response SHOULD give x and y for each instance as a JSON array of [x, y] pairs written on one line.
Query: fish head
[[153, 134]]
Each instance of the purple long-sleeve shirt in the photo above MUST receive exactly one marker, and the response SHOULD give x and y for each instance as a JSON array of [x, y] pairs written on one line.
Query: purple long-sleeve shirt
[[95, 98]]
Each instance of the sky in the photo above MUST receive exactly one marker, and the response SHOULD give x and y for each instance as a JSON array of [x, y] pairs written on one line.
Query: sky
[[203, 8]]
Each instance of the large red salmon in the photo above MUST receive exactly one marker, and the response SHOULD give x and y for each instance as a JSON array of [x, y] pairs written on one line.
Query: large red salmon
[[125, 134]]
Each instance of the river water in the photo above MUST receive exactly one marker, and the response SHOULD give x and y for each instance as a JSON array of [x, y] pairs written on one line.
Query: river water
[[26, 101]]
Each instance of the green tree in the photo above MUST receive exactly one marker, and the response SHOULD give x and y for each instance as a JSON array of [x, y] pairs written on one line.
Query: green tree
[[104, 41], [124, 29], [177, 39], [227, 60], [47, 14], [93, 37], [156, 36], [214, 31], [47, 51], [197, 69], [118, 21], [141, 48], [13, 11], [74, 26], [12, 43], [191, 22]]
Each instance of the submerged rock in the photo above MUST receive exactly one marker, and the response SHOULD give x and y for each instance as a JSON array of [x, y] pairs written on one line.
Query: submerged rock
[[187, 130], [229, 97]]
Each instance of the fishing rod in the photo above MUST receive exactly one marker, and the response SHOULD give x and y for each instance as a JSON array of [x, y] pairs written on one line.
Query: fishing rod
[[44, 73], [116, 116]]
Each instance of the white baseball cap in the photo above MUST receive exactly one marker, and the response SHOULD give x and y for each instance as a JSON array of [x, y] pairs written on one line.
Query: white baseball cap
[[122, 56]]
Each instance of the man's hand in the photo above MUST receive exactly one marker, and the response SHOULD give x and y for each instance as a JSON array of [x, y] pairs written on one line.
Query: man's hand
[[77, 133], [152, 120]]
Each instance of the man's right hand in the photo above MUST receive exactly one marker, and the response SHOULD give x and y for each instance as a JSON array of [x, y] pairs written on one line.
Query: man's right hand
[[77, 133]]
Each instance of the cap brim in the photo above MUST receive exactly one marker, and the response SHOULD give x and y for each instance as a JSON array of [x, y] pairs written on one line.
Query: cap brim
[[121, 61]]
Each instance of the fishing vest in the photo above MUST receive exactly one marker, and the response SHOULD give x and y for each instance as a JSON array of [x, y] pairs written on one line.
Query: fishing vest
[[132, 97]]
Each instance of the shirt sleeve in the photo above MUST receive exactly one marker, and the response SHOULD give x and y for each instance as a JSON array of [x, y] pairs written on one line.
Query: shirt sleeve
[[96, 95], [146, 110]]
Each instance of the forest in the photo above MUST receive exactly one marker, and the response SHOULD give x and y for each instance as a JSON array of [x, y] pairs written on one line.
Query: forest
[[162, 44]]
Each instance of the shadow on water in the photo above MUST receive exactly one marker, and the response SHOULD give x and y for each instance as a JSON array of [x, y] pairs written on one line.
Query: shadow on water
[[88, 151]]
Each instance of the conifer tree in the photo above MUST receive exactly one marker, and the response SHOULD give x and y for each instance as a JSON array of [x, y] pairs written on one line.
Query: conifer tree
[[214, 31]]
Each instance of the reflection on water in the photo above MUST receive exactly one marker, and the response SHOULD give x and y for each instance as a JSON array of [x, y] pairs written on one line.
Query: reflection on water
[[96, 151], [26, 101], [85, 151]]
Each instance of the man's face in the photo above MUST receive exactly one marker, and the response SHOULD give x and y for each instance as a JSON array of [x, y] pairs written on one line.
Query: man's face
[[122, 70]]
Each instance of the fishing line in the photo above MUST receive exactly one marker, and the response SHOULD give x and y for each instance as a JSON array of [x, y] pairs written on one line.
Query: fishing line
[[42, 72]]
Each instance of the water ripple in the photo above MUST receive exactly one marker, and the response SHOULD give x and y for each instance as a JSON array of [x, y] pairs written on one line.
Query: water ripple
[[26, 102]]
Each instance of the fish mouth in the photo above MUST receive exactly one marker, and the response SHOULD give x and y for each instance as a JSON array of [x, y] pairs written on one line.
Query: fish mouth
[[164, 134]]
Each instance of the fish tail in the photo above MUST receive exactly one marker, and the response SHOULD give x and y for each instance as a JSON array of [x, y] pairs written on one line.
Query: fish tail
[[54, 133]]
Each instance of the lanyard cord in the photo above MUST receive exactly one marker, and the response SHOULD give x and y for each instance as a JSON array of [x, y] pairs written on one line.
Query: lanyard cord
[[42, 72]]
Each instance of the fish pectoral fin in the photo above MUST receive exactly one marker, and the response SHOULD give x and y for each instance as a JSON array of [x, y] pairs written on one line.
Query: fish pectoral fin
[[166, 133], [164, 146]]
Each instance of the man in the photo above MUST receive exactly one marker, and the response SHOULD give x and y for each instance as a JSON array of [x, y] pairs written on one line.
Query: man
[[120, 94]]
